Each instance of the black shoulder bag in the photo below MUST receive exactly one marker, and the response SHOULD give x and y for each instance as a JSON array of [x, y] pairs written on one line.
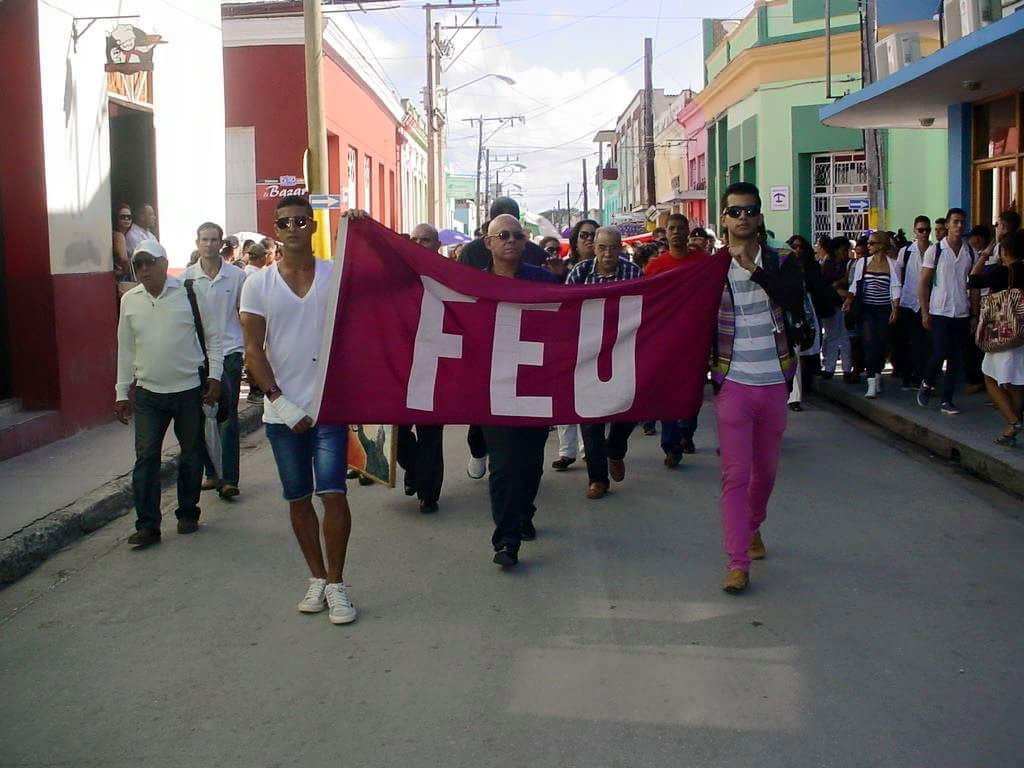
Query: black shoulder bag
[[223, 405]]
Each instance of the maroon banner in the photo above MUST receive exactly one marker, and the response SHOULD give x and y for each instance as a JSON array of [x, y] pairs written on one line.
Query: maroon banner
[[414, 338]]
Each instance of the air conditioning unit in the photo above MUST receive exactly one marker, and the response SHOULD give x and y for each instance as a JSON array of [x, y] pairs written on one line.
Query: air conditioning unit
[[952, 29], [975, 14], [895, 52]]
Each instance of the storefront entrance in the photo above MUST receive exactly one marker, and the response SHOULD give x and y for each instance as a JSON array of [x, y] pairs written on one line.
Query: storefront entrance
[[132, 156]]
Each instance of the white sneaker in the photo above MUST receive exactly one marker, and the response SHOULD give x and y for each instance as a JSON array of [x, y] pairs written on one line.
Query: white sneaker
[[872, 387], [342, 611], [476, 468], [314, 601]]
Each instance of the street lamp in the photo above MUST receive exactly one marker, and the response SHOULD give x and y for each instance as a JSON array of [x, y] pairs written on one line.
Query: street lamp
[[505, 79], [511, 168]]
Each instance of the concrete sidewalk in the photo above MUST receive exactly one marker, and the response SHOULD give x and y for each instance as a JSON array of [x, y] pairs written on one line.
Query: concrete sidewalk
[[57, 493], [967, 439]]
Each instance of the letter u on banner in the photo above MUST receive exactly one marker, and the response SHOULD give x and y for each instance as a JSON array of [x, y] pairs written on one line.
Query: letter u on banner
[[595, 398]]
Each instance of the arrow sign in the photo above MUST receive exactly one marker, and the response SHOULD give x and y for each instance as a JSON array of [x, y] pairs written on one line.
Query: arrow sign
[[859, 204], [325, 201]]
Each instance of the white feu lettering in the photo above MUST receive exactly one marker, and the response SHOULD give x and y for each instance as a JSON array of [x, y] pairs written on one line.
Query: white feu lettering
[[594, 398], [432, 343], [511, 351]]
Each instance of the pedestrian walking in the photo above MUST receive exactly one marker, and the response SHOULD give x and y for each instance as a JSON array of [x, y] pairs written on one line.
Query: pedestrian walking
[[946, 309], [283, 312], [1004, 370], [570, 436], [421, 447], [752, 362], [159, 351], [676, 434], [605, 444], [911, 344], [875, 290], [220, 284], [516, 454], [836, 345]]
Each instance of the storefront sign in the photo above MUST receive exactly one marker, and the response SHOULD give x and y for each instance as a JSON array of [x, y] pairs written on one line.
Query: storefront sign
[[130, 50], [272, 189], [779, 199]]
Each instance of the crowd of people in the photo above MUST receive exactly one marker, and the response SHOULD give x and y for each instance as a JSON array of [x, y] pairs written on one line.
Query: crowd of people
[[786, 315]]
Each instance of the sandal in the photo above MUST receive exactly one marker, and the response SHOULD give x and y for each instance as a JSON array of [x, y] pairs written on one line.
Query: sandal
[[1009, 437]]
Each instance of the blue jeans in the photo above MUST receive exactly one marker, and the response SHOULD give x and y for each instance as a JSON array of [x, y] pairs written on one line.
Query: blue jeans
[[231, 382], [154, 412], [320, 453], [674, 433]]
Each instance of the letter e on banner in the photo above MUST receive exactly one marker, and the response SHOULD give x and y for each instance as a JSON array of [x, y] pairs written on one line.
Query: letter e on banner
[[510, 352], [595, 398], [432, 343]]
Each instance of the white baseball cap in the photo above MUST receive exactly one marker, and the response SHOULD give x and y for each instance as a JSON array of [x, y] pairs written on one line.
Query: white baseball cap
[[152, 247]]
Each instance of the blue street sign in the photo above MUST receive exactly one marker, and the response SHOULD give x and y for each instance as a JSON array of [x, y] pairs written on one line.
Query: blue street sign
[[859, 204], [325, 201]]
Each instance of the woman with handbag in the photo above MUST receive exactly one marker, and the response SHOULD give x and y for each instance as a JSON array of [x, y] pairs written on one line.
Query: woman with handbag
[[875, 286], [1001, 331]]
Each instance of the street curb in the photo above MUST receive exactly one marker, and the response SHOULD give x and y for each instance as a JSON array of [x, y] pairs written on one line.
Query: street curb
[[985, 465], [26, 549]]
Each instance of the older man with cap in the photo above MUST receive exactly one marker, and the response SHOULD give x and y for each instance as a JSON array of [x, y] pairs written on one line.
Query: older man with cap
[[516, 453], [159, 350], [421, 453]]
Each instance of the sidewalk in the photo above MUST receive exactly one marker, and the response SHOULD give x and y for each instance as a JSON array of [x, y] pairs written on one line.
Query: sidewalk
[[967, 439], [57, 493]]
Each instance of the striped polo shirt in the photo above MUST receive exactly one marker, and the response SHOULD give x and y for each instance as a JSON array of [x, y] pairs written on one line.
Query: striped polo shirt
[[755, 356]]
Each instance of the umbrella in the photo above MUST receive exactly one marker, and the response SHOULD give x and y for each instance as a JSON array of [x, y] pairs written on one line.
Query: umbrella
[[453, 237]]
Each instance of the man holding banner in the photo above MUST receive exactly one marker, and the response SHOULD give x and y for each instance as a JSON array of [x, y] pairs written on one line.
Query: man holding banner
[[516, 453], [283, 312]]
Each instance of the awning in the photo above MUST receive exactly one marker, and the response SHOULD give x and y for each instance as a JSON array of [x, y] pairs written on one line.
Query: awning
[[984, 64]]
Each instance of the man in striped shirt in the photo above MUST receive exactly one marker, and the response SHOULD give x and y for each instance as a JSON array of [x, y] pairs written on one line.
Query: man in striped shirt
[[605, 444], [752, 363]]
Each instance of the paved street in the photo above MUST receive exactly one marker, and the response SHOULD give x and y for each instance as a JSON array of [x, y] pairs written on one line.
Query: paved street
[[883, 630]]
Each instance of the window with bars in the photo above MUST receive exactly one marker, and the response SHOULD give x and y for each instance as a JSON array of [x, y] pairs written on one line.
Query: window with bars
[[839, 189]]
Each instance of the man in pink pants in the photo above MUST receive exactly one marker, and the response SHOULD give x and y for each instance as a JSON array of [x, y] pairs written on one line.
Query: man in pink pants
[[752, 364]]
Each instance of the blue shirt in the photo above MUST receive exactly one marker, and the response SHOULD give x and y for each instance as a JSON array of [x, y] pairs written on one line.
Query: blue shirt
[[534, 274]]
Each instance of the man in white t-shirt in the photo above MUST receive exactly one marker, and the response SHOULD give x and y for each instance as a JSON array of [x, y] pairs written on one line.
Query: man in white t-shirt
[[946, 308], [283, 315], [142, 229], [220, 284]]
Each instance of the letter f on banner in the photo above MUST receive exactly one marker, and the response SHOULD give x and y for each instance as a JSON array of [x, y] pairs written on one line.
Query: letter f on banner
[[595, 398], [432, 343]]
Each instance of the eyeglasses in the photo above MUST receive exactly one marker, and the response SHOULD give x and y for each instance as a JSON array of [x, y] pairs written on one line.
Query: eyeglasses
[[875, 242], [300, 222], [506, 235], [125, 216], [423, 240], [923, 230], [586, 235], [735, 211], [148, 261], [553, 250]]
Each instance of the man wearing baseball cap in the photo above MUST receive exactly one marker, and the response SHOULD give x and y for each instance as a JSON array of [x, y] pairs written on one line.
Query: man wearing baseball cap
[[159, 351]]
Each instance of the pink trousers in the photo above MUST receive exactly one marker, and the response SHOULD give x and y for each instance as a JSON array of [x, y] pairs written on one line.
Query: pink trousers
[[751, 421]]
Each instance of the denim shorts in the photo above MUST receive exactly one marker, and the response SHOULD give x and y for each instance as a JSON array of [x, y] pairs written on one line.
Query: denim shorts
[[320, 452]]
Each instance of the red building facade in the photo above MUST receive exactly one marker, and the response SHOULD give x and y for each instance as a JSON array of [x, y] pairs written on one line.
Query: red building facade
[[264, 92]]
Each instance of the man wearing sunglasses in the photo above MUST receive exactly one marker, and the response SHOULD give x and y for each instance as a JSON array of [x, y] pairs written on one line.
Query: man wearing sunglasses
[[477, 254], [284, 309], [142, 227], [516, 453], [911, 344], [752, 367], [421, 453], [158, 351]]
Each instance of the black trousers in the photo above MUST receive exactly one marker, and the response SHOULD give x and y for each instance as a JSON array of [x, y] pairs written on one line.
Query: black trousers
[[421, 455], [875, 332], [949, 339], [912, 347], [516, 458], [603, 442], [476, 441]]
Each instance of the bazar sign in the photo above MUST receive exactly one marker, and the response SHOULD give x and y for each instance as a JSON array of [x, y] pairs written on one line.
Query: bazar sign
[[271, 189]]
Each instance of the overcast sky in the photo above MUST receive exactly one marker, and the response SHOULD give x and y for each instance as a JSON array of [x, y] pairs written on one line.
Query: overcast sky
[[576, 63]]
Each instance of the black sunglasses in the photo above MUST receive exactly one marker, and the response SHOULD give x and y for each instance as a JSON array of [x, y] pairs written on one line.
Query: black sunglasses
[[586, 235], [505, 235], [923, 230], [735, 211], [553, 250], [127, 216], [301, 222]]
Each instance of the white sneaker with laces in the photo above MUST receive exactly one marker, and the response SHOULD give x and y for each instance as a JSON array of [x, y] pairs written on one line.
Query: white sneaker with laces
[[476, 468], [341, 609], [314, 601], [872, 387]]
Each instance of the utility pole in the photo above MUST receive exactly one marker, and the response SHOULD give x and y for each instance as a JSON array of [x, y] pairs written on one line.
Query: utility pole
[[651, 190], [510, 119], [316, 172], [568, 207], [487, 184], [600, 179], [586, 203], [437, 195], [873, 145]]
